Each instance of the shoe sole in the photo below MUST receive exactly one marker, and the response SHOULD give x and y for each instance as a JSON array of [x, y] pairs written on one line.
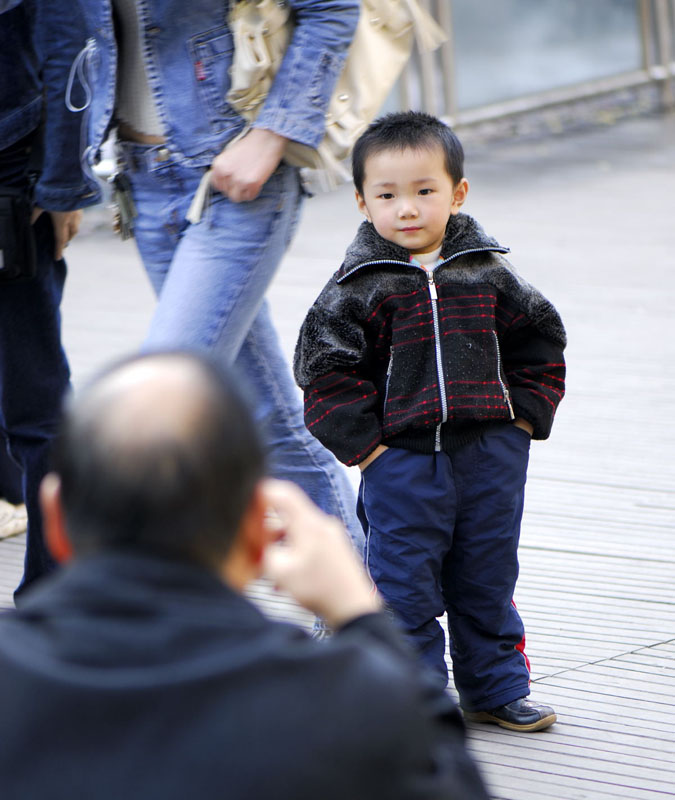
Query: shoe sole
[[484, 716]]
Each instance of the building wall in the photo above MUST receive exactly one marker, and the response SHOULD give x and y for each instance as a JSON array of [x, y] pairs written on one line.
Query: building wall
[[508, 48]]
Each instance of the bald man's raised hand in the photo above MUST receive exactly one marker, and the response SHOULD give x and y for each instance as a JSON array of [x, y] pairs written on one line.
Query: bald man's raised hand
[[313, 560]]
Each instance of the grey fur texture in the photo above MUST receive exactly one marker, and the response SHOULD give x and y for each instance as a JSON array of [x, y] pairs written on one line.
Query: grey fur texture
[[488, 265]]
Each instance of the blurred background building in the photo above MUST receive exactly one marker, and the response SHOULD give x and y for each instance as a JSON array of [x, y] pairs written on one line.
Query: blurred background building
[[520, 66], [534, 67]]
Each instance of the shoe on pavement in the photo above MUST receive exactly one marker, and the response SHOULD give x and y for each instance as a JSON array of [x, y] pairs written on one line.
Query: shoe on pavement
[[518, 715], [13, 519]]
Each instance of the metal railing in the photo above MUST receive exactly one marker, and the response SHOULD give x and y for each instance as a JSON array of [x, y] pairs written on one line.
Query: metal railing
[[429, 81]]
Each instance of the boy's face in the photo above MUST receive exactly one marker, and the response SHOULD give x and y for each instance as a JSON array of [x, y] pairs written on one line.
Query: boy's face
[[409, 197]]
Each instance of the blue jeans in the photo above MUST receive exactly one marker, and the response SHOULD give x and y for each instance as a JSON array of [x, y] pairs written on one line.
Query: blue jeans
[[211, 278], [34, 373], [442, 535]]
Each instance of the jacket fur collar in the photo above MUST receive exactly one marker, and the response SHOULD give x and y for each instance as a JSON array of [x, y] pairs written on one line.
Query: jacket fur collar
[[461, 233]]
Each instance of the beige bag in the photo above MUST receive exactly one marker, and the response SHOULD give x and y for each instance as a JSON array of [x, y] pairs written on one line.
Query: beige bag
[[261, 30], [381, 47]]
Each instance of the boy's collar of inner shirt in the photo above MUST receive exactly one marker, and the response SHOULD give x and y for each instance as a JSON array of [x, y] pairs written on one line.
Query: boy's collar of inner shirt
[[426, 260]]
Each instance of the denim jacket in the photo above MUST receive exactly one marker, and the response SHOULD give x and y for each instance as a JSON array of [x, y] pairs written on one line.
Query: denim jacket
[[188, 52], [38, 41]]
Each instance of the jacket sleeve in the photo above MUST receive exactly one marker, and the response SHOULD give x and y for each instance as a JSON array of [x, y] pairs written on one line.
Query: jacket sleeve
[[333, 365], [298, 99], [63, 185], [7, 5], [535, 365], [410, 722]]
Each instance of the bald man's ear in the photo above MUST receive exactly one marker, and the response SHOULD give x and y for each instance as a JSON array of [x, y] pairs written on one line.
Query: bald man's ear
[[53, 521], [254, 531], [243, 563]]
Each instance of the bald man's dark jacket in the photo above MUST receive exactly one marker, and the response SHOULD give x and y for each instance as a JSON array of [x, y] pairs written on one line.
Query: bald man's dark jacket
[[137, 677]]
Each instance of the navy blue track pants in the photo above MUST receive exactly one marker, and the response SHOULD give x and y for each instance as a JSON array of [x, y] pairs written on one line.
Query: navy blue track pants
[[442, 535]]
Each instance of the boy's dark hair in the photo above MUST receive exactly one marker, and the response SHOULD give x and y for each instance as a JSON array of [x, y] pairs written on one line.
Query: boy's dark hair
[[180, 488], [407, 129]]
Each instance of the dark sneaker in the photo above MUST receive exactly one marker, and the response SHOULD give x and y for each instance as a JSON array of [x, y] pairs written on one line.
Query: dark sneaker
[[518, 715]]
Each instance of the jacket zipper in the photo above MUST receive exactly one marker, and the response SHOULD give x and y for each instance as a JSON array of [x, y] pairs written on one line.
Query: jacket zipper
[[390, 367], [373, 264], [437, 338], [505, 391], [439, 359]]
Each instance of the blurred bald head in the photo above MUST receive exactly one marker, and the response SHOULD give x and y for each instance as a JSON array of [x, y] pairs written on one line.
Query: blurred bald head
[[158, 453]]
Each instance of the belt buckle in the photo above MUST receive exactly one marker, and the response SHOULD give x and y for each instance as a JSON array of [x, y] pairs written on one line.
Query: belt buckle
[[162, 155]]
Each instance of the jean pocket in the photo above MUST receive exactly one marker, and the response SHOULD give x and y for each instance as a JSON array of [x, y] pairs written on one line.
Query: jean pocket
[[211, 54]]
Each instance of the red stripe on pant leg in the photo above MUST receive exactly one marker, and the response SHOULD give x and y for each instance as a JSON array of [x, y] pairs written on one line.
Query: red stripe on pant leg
[[520, 647]]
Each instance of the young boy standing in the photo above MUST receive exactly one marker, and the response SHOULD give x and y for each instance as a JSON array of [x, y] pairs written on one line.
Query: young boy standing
[[430, 363]]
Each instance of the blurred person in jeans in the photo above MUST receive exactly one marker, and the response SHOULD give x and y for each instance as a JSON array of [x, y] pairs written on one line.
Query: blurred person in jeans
[[159, 73], [40, 155]]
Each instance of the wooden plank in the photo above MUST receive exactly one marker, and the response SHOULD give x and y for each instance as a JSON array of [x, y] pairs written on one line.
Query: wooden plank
[[649, 658], [564, 736], [546, 609], [659, 522], [553, 761], [568, 572], [629, 703], [587, 566], [513, 783], [11, 561], [585, 647], [612, 676], [539, 630], [602, 640], [615, 591], [589, 609]]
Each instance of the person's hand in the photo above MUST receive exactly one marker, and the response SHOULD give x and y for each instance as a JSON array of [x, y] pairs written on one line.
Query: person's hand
[[377, 452], [242, 168], [313, 560], [65, 223], [524, 425]]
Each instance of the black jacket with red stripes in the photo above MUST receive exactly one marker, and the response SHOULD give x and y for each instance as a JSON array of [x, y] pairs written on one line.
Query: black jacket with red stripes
[[390, 353]]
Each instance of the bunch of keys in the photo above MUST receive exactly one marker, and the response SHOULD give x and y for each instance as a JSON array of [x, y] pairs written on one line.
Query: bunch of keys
[[124, 207]]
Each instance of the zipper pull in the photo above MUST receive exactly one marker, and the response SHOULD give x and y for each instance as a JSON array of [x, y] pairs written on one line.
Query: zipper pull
[[507, 397], [432, 286]]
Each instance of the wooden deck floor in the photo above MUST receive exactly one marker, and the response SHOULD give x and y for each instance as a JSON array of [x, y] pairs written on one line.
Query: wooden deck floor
[[590, 221]]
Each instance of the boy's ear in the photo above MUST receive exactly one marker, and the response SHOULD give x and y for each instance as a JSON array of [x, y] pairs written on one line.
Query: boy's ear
[[459, 196], [361, 204]]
